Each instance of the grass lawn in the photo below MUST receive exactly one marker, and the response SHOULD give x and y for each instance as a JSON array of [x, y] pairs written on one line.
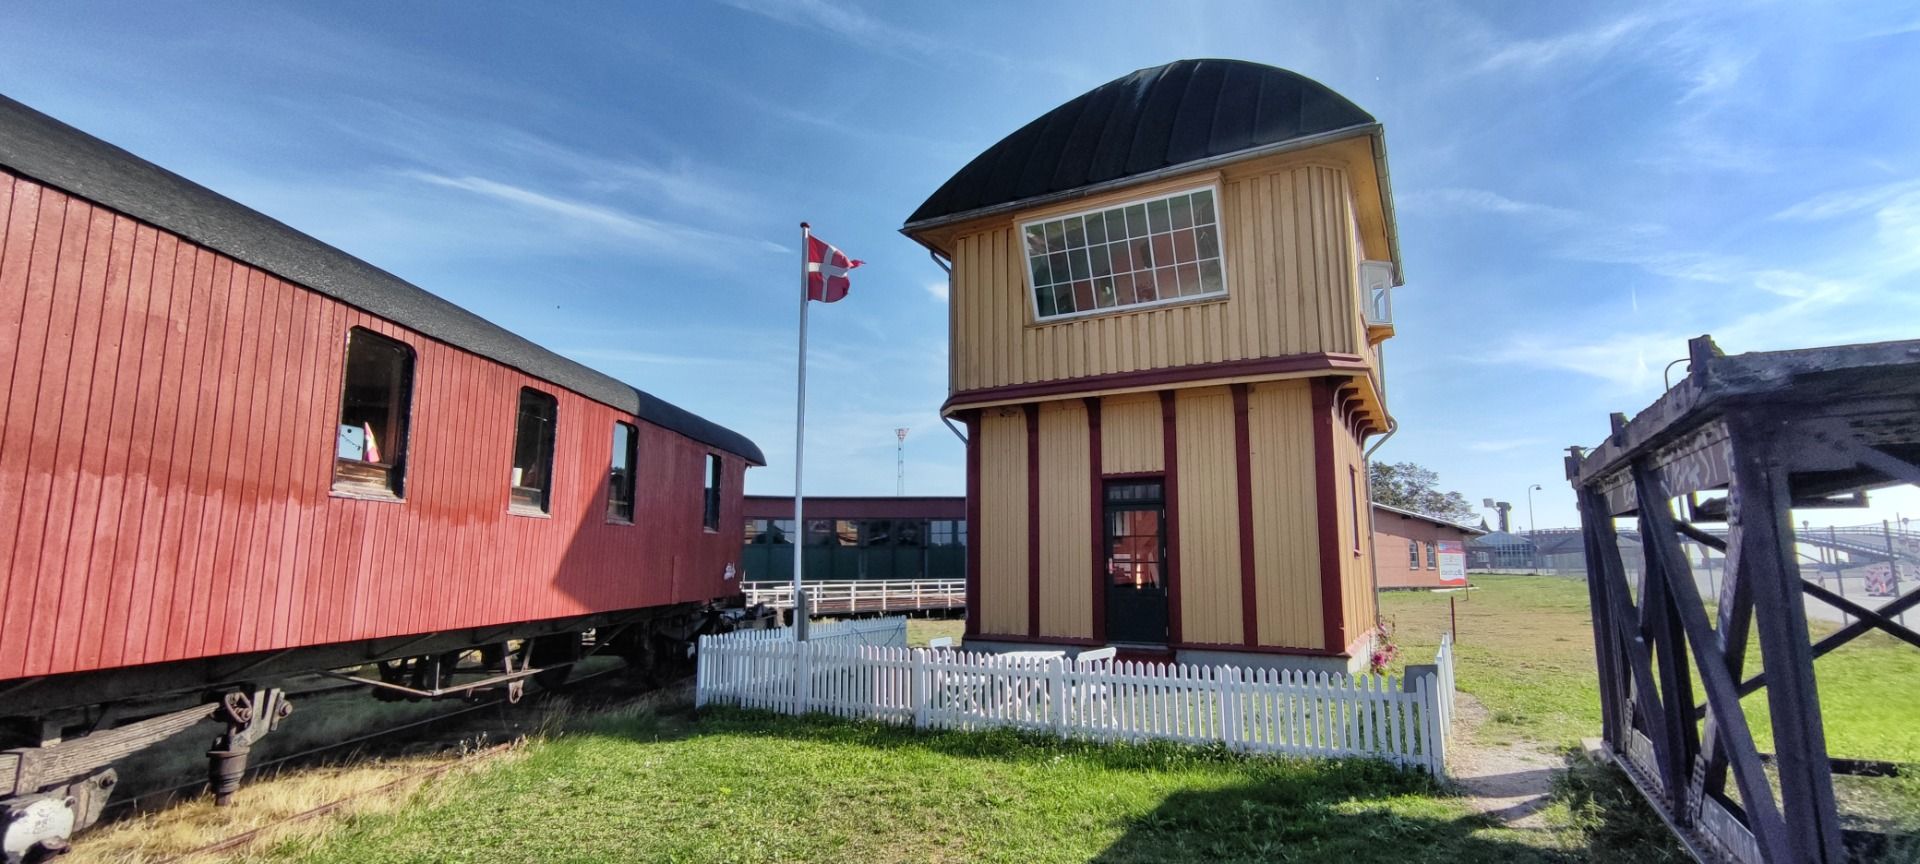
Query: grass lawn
[[1524, 648], [734, 786], [745, 787]]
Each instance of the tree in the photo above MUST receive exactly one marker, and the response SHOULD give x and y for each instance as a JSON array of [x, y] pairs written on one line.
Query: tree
[[1409, 486]]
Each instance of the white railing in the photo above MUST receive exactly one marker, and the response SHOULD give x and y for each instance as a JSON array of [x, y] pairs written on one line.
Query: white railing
[[892, 595], [888, 632], [1248, 710]]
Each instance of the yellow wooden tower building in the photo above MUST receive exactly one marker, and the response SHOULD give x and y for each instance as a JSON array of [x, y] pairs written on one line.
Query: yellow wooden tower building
[[1167, 302]]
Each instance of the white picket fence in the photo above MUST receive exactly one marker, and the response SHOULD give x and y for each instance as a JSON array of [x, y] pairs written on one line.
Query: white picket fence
[[1249, 710]]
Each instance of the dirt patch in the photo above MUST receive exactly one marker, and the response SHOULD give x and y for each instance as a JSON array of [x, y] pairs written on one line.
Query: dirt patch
[[1510, 781]]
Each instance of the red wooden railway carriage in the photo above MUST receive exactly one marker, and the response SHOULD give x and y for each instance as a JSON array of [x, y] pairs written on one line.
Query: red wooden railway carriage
[[233, 453]]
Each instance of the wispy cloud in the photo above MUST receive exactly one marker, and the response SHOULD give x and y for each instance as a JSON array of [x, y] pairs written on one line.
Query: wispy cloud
[[1846, 202], [845, 21], [1502, 445], [1482, 201], [1582, 45], [938, 290], [1581, 236], [655, 234]]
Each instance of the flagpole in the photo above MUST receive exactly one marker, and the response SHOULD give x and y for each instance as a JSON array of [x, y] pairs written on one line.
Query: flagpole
[[801, 608]]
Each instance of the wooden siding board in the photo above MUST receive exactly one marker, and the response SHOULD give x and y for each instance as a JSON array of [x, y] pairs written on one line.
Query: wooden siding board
[[51, 469], [1003, 523], [117, 523], [1209, 517], [1034, 543], [1096, 505], [1170, 444], [162, 380], [1066, 521], [1130, 434], [1285, 515], [1289, 292], [19, 213], [1327, 480], [70, 533], [90, 544]]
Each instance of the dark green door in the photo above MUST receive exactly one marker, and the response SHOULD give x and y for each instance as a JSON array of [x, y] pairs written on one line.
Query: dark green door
[[1136, 520]]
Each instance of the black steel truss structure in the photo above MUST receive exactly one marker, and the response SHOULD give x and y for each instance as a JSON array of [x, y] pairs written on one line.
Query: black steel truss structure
[[1775, 431]]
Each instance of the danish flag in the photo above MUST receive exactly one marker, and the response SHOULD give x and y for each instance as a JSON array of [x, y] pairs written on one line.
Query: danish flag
[[827, 270]]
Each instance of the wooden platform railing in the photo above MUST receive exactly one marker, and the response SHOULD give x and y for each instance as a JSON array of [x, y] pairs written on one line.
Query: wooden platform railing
[[858, 596]]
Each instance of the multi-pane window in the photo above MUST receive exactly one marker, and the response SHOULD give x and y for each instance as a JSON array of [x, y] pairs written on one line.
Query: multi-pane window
[[947, 532], [1147, 252], [1433, 557], [533, 434], [711, 511], [626, 443], [375, 399], [1413, 554]]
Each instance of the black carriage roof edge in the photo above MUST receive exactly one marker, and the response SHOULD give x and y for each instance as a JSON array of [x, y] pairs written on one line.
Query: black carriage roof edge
[[35, 145]]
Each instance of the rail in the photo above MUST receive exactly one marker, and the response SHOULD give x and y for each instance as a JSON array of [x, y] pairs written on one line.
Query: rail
[[857, 596]]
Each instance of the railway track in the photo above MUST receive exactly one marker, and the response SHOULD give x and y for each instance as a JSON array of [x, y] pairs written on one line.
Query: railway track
[[396, 735]]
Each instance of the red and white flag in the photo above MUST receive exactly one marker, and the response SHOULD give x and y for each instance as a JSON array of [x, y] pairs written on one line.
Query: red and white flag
[[827, 270]]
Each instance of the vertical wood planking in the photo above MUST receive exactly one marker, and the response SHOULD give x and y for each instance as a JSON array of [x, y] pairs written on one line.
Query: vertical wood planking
[[166, 463], [1002, 533], [1285, 515], [1290, 252], [1209, 517], [1066, 521]]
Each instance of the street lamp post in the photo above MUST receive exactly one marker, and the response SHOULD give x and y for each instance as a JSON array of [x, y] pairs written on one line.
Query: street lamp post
[[1531, 528]]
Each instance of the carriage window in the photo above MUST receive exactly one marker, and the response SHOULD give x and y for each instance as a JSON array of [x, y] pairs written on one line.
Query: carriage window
[[620, 476], [533, 452], [712, 513], [375, 398]]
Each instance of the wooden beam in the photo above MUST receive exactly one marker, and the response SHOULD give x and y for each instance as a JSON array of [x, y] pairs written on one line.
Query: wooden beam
[[1841, 636], [1756, 796], [1661, 547], [1793, 699], [1866, 615]]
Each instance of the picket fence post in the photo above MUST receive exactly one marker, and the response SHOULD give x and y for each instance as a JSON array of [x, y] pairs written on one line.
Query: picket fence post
[[700, 674], [1229, 678], [802, 677], [919, 688], [1057, 693]]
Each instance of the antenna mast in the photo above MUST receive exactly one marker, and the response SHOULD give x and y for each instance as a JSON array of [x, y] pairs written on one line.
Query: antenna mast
[[900, 461]]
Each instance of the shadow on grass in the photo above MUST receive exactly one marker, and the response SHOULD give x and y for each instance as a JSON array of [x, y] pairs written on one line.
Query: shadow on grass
[[1271, 822], [1225, 807]]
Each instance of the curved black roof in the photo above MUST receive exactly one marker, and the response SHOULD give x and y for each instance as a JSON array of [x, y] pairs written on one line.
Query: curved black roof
[[1157, 118], [38, 146]]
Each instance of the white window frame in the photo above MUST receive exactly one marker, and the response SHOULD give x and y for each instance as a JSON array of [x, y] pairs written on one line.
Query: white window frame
[[1026, 266]]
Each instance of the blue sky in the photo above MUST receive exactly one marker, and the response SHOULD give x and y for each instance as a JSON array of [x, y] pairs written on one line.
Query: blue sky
[[1580, 188]]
